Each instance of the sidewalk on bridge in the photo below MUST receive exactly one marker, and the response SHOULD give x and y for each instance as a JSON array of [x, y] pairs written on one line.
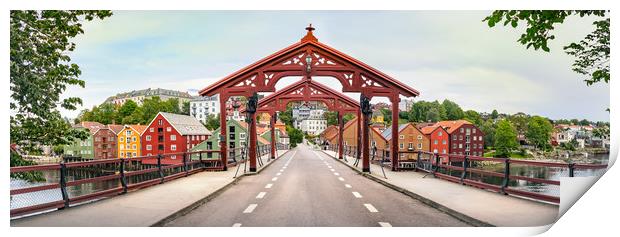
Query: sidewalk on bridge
[[464, 202], [146, 207]]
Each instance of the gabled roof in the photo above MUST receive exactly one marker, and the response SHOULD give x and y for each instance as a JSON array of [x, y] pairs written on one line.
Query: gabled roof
[[138, 128], [92, 127], [430, 129], [377, 133], [310, 40], [185, 124], [116, 128], [452, 125]]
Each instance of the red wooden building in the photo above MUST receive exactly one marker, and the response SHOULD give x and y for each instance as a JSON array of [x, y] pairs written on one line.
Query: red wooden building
[[172, 133], [104, 141], [439, 139], [465, 138]]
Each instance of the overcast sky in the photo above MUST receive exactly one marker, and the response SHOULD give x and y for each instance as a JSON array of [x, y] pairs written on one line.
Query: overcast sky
[[443, 54]]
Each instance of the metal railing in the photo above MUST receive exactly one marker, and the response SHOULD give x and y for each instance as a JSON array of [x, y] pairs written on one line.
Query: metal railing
[[68, 184], [494, 174]]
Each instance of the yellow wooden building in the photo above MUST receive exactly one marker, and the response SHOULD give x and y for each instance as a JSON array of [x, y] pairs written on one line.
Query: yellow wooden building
[[129, 141]]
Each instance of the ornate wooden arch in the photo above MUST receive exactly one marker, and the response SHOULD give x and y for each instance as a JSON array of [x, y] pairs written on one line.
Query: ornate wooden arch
[[308, 58]]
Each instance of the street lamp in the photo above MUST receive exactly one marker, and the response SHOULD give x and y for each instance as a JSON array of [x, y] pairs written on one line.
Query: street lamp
[[308, 62]]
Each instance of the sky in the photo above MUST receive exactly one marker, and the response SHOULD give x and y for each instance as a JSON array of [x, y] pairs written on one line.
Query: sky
[[442, 54]]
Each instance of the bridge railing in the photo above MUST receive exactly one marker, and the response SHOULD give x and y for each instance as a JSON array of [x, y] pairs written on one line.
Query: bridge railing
[[524, 178], [40, 188]]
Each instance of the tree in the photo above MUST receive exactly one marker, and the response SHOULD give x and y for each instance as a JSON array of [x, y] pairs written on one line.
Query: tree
[[213, 122], [539, 131], [40, 71], [519, 121], [387, 115], [488, 128], [494, 114], [584, 122], [287, 116], [126, 110], [453, 110], [185, 108], [433, 115], [295, 135], [505, 139], [331, 117], [347, 117], [591, 54], [473, 117]]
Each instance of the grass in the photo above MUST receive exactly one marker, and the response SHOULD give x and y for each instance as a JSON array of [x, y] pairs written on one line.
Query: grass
[[512, 155]]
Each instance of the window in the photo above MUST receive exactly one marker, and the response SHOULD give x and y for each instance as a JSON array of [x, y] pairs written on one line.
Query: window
[[419, 137], [149, 147], [202, 137], [173, 137], [479, 138], [402, 146], [135, 154], [174, 157], [173, 147], [454, 137], [475, 138], [435, 151], [436, 142], [134, 138], [401, 137], [134, 146], [122, 146], [411, 145], [461, 130], [122, 154], [443, 142], [461, 137], [160, 122], [128, 132], [453, 145], [160, 147], [168, 129], [467, 131], [473, 130], [443, 151], [148, 137], [439, 133], [122, 139], [419, 145], [152, 129], [460, 146], [242, 135]]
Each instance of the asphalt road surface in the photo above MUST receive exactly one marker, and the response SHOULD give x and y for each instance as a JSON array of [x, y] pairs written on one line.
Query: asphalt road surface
[[308, 188]]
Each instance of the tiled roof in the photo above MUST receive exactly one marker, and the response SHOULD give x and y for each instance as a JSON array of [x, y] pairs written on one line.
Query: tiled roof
[[91, 126], [116, 128], [451, 126], [428, 129], [139, 128], [185, 124]]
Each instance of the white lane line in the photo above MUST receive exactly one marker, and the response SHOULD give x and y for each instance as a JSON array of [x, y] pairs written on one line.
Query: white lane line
[[337, 174], [370, 207], [340, 178], [268, 185], [332, 170], [348, 185], [385, 224], [278, 174], [261, 195], [281, 170], [357, 195], [239, 224], [251, 207], [329, 167], [274, 179]]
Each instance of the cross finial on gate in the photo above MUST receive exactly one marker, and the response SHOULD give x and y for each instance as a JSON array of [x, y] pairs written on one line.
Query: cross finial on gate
[[309, 36]]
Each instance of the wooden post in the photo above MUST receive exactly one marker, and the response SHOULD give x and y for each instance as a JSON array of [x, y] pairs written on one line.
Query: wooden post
[[395, 99], [252, 145], [340, 140], [223, 129], [273, 135]]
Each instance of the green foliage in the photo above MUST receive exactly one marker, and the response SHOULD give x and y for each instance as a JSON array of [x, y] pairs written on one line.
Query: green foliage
[[17, 160], [519, 121], [130, 112], [473, 117], [591, 54], [295, 135], [347, 117], [287, 116], [539, 131], [453, 110], [505, 139], [331, 117], [40, 71], [494, 114], [185, 108], [213, 122]]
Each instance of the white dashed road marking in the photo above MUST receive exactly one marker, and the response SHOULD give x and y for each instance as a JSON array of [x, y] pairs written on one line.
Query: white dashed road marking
[[239, 224], [261, 195], [251, 207], [268, 185], [340, 178], [385, 224], [274, 179], [370, 207], [332, 170], [357, 195], [278, 174], [336, 174], [347, 185]]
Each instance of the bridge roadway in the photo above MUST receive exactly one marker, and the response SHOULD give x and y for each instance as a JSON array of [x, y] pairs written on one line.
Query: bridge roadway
[[309, 188]]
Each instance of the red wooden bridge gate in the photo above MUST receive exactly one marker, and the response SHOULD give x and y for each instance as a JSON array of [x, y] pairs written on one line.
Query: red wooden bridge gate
[[308, 58]]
